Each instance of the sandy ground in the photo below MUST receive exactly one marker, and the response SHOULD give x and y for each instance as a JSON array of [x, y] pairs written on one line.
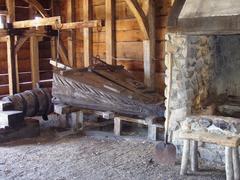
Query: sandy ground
[[92, 156]]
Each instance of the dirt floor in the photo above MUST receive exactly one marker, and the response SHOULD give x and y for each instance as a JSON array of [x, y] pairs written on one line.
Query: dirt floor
[[90, 156]]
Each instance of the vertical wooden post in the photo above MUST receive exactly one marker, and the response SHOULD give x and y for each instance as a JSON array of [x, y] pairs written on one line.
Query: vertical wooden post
[[117, 126], [72, 34], [11, 56], [110, 32], [185, 156], [229, 163], [34, 54], [194, 156], [236, 165], [149, 49], [53, 39], [87, 33]]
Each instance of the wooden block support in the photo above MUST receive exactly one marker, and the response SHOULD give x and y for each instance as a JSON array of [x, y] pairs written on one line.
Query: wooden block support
[[106, 115], [76, 121], [152, 128], [117, 126], [11, 118], [152, 132], [64, 109]]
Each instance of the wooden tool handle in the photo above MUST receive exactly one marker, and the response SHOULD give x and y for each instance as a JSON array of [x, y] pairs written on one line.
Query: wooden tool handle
[[169, 58]]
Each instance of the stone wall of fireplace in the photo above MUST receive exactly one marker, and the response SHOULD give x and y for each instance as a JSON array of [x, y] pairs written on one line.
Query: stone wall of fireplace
[[193, 71], [203, 68]]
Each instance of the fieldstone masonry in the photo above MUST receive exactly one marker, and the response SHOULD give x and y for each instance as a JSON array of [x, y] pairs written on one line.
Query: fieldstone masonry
[[196, 69]]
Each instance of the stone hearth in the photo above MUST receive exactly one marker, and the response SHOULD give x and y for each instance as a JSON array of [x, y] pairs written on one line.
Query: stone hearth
[[205, 86]]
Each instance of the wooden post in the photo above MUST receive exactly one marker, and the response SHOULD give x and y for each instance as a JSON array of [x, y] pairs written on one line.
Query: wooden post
[[229, 163], [34, 54], [236, 168], [185, 156], [194, 156], [87, 34], [152, 132], [72, 34], [53, 39], [149, 47], [11, 56], [110, 32], [117, 126]]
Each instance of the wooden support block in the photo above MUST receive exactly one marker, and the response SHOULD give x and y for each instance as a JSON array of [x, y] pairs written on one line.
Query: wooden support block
[[76, 121], [105, 115], [117, 126], [152, 132], [236, 168], [64, 109], [185, 157], [11, 118], [194, 156], [6, 105], [229, 163]]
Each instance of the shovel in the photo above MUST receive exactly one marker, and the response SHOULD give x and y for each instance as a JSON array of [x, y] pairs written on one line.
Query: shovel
[[165, 152]]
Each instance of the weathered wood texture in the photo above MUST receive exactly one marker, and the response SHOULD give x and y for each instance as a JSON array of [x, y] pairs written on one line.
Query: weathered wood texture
[[24, 62], [129, 37], [129, 45]]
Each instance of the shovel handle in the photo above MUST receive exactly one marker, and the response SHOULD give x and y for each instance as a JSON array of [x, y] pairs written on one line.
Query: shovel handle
[[169, 58]]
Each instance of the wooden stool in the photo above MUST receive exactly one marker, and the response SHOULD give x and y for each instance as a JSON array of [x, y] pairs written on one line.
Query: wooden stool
[[152, 127], [231, 144]]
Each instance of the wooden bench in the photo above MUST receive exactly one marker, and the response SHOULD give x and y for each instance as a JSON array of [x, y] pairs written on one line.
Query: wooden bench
[[190, 149], [152, 126]]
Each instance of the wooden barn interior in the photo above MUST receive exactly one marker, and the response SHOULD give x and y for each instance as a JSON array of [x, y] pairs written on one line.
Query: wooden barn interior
[[119, 89]]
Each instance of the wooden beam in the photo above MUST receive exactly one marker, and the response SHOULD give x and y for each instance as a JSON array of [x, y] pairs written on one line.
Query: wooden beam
[[12, 74], [80, 25], [13, 79], [149, 47], [110, 32], [34, 54], [52, 21], [63, 53], [37, 6], [71, 34], [140, 16], [87, 33]]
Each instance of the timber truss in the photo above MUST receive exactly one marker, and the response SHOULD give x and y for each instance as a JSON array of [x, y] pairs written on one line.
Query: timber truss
[[16, 33]]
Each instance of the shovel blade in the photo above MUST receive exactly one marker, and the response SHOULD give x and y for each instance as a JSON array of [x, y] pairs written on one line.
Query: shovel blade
[[165, 154]]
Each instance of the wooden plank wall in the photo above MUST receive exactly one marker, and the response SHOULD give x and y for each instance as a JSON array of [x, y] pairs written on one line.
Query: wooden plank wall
[[24, 63], [129, 48]]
